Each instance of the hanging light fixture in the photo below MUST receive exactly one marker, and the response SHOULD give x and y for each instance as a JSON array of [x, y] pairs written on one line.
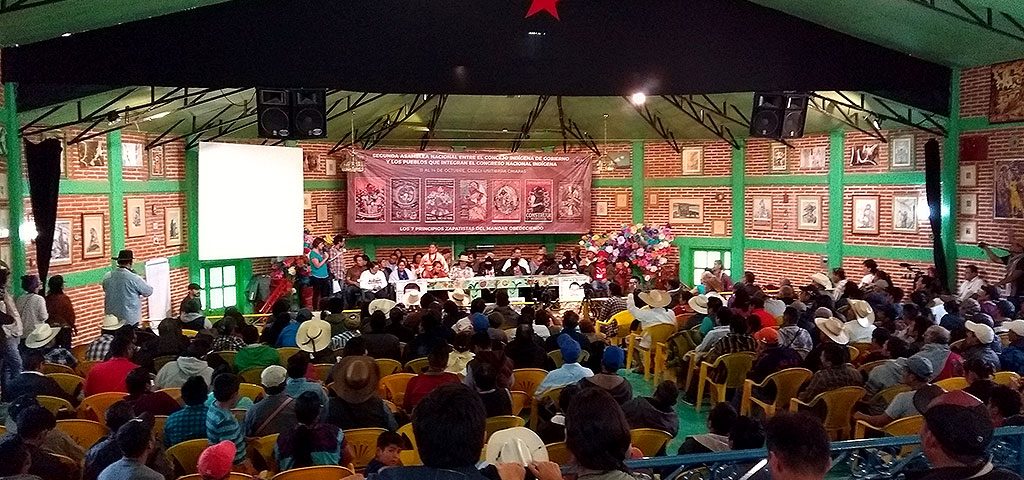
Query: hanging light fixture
[[350, 163], [605, 162]]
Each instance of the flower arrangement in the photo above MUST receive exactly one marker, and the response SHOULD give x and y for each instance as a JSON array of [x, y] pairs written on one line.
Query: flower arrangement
[[642, 247]]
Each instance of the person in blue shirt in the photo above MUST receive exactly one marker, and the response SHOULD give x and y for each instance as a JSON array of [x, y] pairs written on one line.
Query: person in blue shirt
[[1012, 357], [297, 383], [318, 276], [188, 423], [570, 371], [123, 290]]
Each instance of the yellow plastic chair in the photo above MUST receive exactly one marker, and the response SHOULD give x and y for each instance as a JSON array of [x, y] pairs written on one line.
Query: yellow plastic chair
[[406, 431], [551, 395], [84, 432], [323, 370], [284, 353], [185, 455], [79, 351], [159, 422], [388, 366], [410, 458], [417, 365], [391, 406], [3, 430], [659, 333], [239, 414], [174, 392], [394, 386], [519, 401], [885, 396], [95, 407], [787, 385], [252, 375], [322, 472], [253, 391], [69, 382], [160, 361], [189, 332], [862, 348], [364, 444], [527, 379], [55, 404], [227, 355], [502, 422], [556, 358], [559, 453], [262, 449], [693, 369], [839, 405], [736, 366], [868, 367], [85, 366], [231, 476], [48, 368], [1006, 378], [896, 428], [1004, 339], [624, 319], [69, 464], [854, 352], [649, 440], [953, 383]]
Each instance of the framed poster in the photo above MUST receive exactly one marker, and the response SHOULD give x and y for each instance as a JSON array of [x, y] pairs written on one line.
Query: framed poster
[[779, 161], [307, 201], [332, 166], [762, 212], [60, 253], [310, 161], [718, 227], [1009, 175], [902, 148], [5, 254], [865, 214], [91, 153], [321, 213], [693, 160], [93, 243], [904, 213], [136, 211], [967, 231], [864, 155], [969, 204], [813, 158], [157, 168], [131, 155], [601, 209], [969, 175], [808, 212], [1007, 87], [172, 226], [687, 210], [621, 200]]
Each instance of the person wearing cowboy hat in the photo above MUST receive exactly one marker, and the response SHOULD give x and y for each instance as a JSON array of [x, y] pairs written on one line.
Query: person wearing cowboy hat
[[462, 270], [830, 330], [123, 290], [351, 324], [356, 402], [835, 372], [314, 337], [822, 281], [657, 314], [98, 349], [859, 329], [44, 340]]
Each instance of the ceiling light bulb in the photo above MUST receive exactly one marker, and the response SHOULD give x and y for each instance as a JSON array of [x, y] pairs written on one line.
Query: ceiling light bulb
[[638, 98], [66, 34]]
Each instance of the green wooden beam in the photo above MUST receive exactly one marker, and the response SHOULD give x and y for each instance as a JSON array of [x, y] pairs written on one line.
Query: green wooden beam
[[638, 181], [970, 252], [15, 188], [703, 181], [192, 212], [611, 183], [739, 185], [892, 253], [950, 173], [115, 171], [154, 186], [836, 153], [323, 184], [102, 187], [787, 246], [887, 178], [972, 124], [787, 179]]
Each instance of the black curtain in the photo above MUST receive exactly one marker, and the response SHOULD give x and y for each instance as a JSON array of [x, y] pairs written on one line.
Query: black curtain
[[933, 191], [43, 161]]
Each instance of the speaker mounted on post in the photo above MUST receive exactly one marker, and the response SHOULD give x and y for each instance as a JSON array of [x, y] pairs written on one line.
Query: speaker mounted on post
[[778, 115], [291, 114]]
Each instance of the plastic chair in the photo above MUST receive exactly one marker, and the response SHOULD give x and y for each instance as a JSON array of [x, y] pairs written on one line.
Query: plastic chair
[[527, 379], [323, 370], [364, 444], [410, 458], [69, 464], [650, 441], [253, 391], [262, 449], [953, 383], [185, 455], [406, 431], [862, 347], [417, 365], [868, 367], [160, 361], [502, 422], [659, 334], [79, 351], [885, 396], [85, 366], [239, 414], [896, 428], [54, 404], [189, 332], [227, 355], [95, 407], [519, 401], [322, 472], [84, 432], [624, 319], [551, 395], [69, 382], [174, 392], [559, 453], [48, 368], [1006, 378], [839, 405], [556, 358], [394, 386], [854, 352], [159, 422], [391, 406], [388, 366], [787, 385], [252, 375], [736, 366], [284, 353]]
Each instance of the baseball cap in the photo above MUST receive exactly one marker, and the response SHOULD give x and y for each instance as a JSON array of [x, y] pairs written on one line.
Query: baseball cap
[[273, 376], [921, 367], [570, 348], [216, 460], [767, 335], [960, 422], [984, 332], [1015, 326]]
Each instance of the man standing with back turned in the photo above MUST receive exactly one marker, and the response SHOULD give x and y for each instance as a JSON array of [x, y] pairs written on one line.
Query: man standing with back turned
[[123, 290]]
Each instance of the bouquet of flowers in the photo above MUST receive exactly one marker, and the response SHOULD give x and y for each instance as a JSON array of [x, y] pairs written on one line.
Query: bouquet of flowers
[[642, 247]]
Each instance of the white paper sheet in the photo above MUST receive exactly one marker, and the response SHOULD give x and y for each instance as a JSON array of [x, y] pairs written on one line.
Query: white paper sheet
[[158, 276]]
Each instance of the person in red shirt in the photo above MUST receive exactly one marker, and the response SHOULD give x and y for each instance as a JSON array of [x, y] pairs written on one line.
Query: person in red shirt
[[109, 376], [435, 376], [138, 383], [757, 308]]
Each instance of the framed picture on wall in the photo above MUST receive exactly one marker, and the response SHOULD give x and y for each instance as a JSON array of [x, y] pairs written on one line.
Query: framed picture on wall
[[1007, 82], [157, 168], [136, 212], [904, 213], [1009, 175], [310, 161], [91, 153], [902, 148], [967, 231], [93, 243], [332, 166], [693, 161], [718, 228], [865, 214], [321, 213], [307, 201], [808, 214], [865, 155], [60, 253], [131, 155], [601, 209], [813, 158], [172, 226], [686, 210], [779, 161], [621, 200], [5, 254], [969, 204], [969, 175], [761, 218]]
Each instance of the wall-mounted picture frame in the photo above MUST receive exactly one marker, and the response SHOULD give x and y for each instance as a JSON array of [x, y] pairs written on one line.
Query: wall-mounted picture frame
[[310, 161], [761, 212], [865, 155], [686, 211], [60, 253], [693, 160], [321, 213], [652, 199], [93, 242], [131, 155], [865, 214], [157, 162], [718, 228], [968, 204], [307, 201], [135, 211], [601, 209], [92, 153], [808, 212], [621, 200], [332, 167], [901, 150], [5, 254], [968, 175], [967, 231], [1006, 198], [813, 158], [778, 160], [904, 213], [172, 227]]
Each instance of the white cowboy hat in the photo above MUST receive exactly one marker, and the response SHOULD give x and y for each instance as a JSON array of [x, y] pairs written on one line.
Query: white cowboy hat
[[716, 295], [823, 280], [458, 296], [699, 304], [41, 336], [775, 307], [464, 258], [313, 336], [656, 298], [833, 328], [410, 298], [381, 304], [111, 322], [863, 311], [516, 445]]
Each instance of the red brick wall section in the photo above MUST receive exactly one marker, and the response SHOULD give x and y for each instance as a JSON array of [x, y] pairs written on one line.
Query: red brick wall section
[[770, 266], [854, 267], [612, 149], [334, 223], [717, 206], [975, 91], [886, 236], [784, 212], [758, 154], [617, 217], [88, 303], [72, 208], [661, 161]]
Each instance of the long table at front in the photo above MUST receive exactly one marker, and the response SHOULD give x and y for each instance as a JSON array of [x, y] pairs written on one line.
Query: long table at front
[[570, 286]]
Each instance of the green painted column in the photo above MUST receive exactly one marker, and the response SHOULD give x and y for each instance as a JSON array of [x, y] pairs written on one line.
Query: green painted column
[[243, 272], [950, 173], [15, 184], [836, 144], [192, 213], [739, 183], [115, 174], [637, 181]]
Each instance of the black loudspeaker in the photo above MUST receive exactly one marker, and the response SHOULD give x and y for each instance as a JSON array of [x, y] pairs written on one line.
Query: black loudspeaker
[[778, 115], [291, 113], [933, 192]]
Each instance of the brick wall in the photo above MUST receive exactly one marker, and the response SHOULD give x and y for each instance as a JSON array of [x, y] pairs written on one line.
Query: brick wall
[[661, 161], [717, 206], [784, 212], [759, 152], [975, 93], [770, 266]]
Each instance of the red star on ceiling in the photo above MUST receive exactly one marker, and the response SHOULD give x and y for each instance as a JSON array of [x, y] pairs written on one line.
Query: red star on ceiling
[[538, 6]]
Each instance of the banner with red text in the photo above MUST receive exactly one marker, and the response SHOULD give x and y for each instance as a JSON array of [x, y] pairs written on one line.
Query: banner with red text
[[430, 193]]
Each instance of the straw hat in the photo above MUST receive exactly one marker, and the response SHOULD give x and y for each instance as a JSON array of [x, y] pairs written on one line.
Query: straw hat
[[863, 311], [313, 336], [381, 304], [656, 298], [410, 298], [41, 336], [516, 445], [355, 378], [775, 307], [111, 322], [833, 328], [458, 296], [464, 258], [699, 304], [823, 280]]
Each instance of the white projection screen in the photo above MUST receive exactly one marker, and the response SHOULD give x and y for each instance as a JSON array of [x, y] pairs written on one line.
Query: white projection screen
[[250, 201]]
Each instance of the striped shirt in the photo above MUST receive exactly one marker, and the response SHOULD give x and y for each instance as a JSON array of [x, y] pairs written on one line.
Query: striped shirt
[[221, 425], [731, 343]]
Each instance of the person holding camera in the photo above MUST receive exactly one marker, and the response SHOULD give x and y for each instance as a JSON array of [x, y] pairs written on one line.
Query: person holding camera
[[1013, 279]]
